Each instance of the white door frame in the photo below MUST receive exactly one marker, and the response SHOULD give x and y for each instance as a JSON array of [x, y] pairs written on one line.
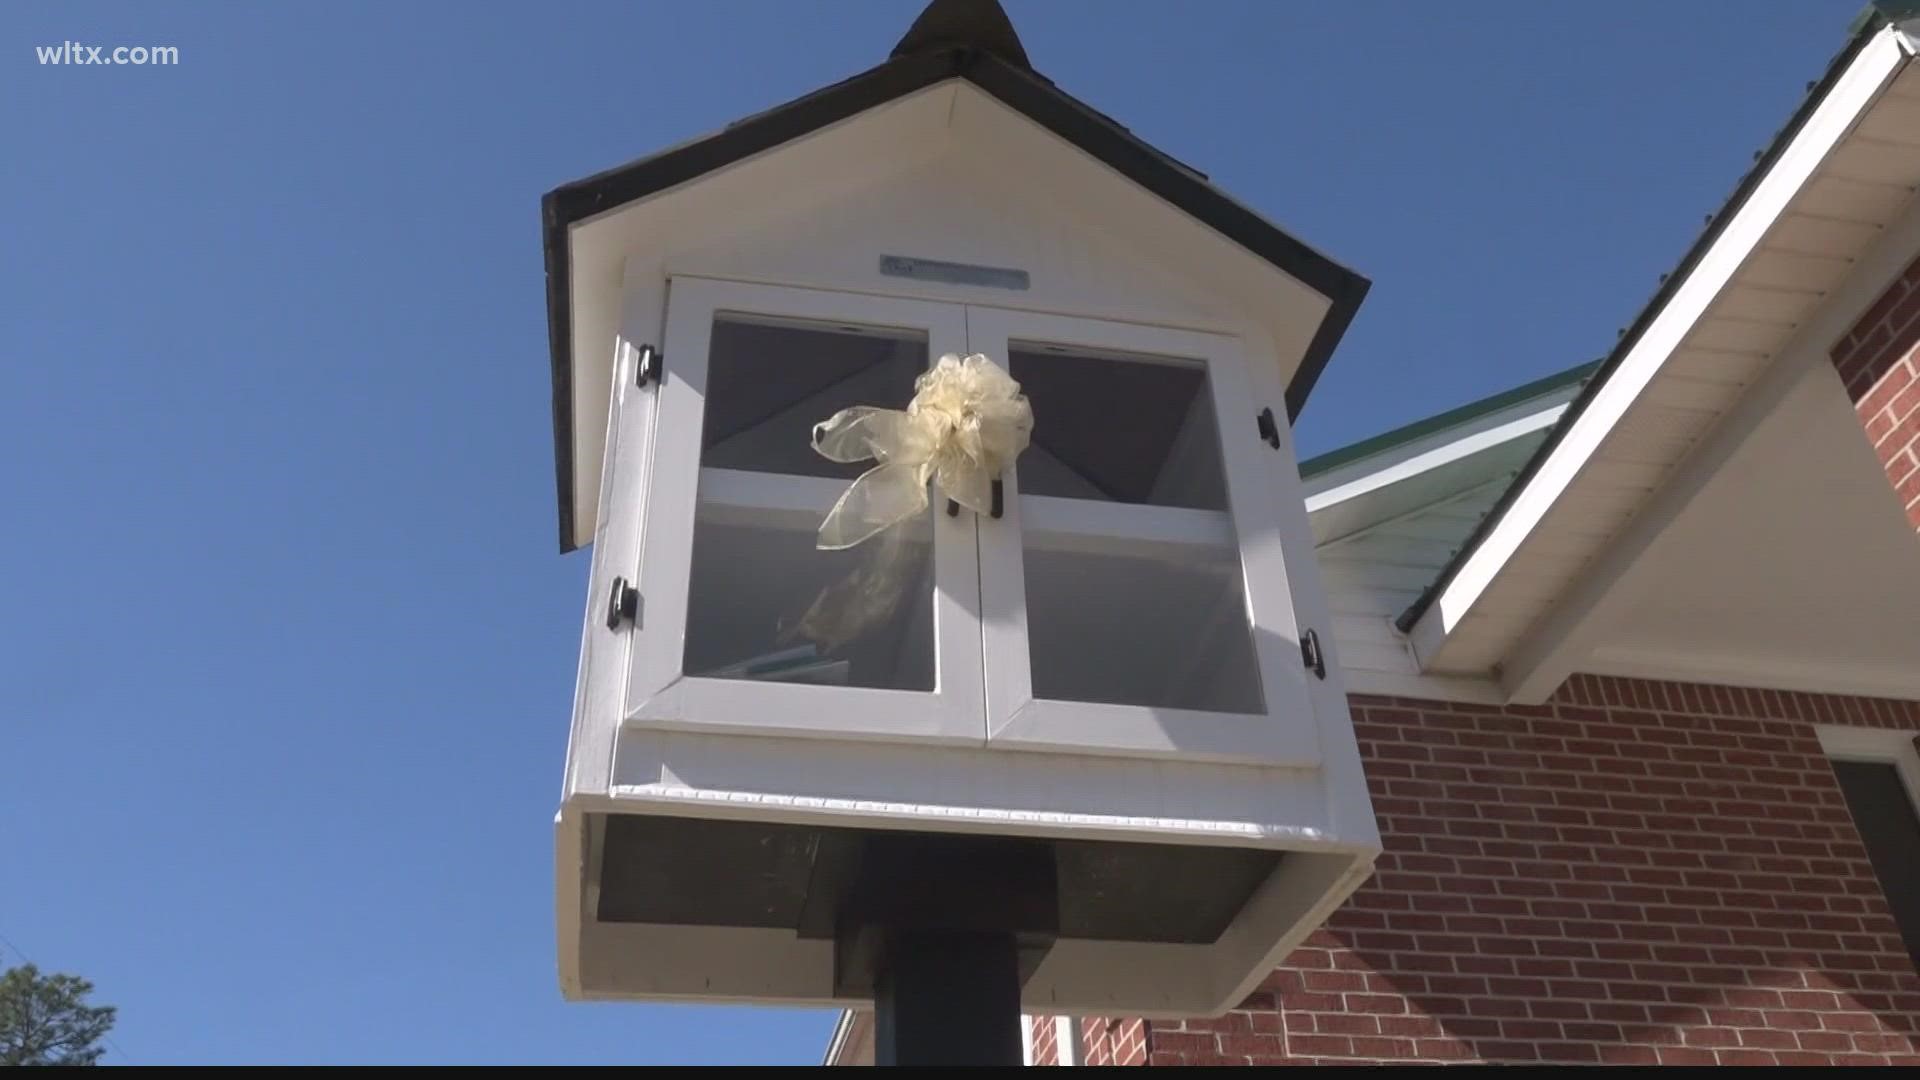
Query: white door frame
[[1286, 733], [659, 692], [1882, 745]]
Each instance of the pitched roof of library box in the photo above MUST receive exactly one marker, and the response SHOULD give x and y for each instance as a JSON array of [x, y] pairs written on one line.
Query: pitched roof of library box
[[970, 40]]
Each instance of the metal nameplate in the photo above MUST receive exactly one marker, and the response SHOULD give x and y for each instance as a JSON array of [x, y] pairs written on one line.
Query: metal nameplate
[[992, 277]]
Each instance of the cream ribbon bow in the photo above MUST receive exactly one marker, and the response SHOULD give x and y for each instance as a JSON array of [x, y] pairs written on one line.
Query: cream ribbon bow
[[966, 423]]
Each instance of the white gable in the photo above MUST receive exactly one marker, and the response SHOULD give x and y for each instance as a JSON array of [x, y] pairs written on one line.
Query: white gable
[[947, 174]]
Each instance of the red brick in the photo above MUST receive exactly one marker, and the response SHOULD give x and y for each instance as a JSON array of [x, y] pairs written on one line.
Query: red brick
[[1320, 1044], [1635, 872], [1614, 1054], [1569, 1052], [1380, 1047], [1879, 362], [1887, 385], [1509, 1051]]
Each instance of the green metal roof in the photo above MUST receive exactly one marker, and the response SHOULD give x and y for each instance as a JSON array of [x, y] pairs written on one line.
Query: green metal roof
[[1420, 429]]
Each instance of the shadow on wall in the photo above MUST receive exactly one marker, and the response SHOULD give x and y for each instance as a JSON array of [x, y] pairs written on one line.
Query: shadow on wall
[[1636, 872]]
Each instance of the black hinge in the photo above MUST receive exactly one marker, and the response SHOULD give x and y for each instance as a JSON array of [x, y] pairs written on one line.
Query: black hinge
[[649, 366], [1316, 660], [623, 604], [1269, 430]]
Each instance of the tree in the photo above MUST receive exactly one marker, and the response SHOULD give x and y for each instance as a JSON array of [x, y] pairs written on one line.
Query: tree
[[45, 1019]]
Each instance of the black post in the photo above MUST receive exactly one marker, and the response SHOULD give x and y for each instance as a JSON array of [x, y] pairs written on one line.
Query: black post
[[947, 998]]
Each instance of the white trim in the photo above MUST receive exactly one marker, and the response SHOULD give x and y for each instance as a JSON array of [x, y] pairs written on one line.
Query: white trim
[[569, 869], [1895, 748], [1350, 481], [1337, 880], [1284, 731], [604, 656], [1086, 525], [1429, 687], [1439, 502], [801, 497], [1909, 35], [1769, 673], [1869, 72], [1568, 636], [842, 1028], [1066, 1040], [659, 692], [762, 806]]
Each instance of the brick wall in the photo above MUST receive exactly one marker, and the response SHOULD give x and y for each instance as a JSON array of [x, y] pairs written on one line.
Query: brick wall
[[1635, 872], [1107, 1041], [1103, 1041], [1045, 1050], [1879, 360]]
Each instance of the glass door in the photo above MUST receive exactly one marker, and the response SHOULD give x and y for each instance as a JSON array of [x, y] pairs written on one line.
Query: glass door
[[744, 622], [1134, 592]]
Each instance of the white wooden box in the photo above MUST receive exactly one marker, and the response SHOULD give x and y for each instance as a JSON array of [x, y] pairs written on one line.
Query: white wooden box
[[1116, 659]]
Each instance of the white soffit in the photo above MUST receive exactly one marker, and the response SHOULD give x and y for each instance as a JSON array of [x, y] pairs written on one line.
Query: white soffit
[[1791, 567], [1845, 175]]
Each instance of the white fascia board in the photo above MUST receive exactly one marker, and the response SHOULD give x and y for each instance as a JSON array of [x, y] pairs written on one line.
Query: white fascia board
[[1878, 61], [1443, 448]]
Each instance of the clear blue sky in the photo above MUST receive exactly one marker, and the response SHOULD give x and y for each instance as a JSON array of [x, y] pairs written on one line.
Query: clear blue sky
[[288, 651]]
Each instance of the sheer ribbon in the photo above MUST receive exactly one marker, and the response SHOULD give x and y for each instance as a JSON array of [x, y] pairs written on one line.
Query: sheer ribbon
[[966, 423]]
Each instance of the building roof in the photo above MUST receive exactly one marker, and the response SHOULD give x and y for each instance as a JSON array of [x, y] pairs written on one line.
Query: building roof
[[1874, 17], [952, 39], [1387, 441]]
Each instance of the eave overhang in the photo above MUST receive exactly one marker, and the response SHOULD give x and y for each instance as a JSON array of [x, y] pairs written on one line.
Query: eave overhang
[[1738, 298]]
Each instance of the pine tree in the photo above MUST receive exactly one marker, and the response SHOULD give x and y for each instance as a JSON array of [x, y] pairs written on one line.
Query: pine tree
[[45, 1019]]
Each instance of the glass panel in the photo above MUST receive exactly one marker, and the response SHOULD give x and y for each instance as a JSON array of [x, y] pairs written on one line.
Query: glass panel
[[1132, 623], [1119, 428], [764, 604], [769, 381]]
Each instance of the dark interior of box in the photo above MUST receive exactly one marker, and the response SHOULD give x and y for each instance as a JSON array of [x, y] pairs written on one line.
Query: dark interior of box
[[823, 882]]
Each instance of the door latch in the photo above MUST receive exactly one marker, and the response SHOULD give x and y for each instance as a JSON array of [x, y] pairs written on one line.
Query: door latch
[[1269, 430], [1315, 659], [995, 510], [623, 603], [648, 368]]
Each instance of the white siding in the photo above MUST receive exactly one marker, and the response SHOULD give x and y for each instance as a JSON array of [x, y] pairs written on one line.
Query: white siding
[[1374, 574]]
